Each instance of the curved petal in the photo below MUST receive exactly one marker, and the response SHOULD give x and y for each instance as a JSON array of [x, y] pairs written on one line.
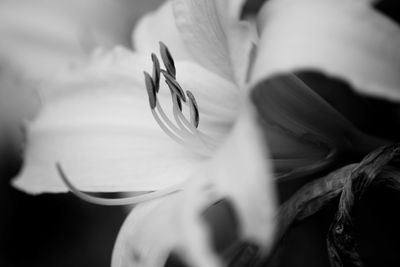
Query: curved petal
[[96, 121], [143, 232], [159, 26], [175, 224], [242, 173], [154, 230], [305, 133], [215, 35], [361, 47]]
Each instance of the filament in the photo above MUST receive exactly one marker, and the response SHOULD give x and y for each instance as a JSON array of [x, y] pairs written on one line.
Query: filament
[[115, 201]]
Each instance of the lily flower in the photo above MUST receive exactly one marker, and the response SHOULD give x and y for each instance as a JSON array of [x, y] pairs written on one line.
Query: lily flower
[[201, 136]]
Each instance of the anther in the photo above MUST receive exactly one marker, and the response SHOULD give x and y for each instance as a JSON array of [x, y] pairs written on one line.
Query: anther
[[174, 94], [174, 85], [151, 90], [167, 59], [156, 72], [194, 110], [177, 100]]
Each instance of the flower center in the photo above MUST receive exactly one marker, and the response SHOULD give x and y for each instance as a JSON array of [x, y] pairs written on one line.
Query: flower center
[[185, 130]]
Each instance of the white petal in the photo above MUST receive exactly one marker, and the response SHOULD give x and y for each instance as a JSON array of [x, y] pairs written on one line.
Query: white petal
[[96, 121], [347, 39], [159, 26], [148, 234], [215, 35], [155, 229]]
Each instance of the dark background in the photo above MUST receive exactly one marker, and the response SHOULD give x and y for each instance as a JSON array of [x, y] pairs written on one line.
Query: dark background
[[61, 230], [54, 229]]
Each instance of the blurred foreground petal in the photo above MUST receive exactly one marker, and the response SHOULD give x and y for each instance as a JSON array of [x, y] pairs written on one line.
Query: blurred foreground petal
[[175, 224]]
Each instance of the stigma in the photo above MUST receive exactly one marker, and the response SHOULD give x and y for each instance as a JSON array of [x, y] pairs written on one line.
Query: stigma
[[182, 129]]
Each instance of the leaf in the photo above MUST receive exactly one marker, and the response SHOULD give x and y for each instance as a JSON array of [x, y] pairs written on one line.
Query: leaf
[[349, 182], [341, 241]]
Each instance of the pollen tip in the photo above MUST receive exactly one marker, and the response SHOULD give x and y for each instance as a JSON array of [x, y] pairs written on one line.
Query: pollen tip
[[194, 110], [191, 98], [174, 94], [167, 59], [178, 101], [151, 90], [156, 71], [189, 94]]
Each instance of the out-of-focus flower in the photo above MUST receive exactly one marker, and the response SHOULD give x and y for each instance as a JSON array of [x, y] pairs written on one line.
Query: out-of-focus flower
[[42, 37], [96, 119]]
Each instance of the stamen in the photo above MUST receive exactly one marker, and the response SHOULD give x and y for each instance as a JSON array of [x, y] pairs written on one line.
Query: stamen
[[172, 135], [156, 72], [167, 59], [115, 201], [207, 141], [151, 91], [194, 110], [182, 131], [174, 93], [179, 117], [177, 114], [186, 141], [176, 99], [182, 134], [174, 85]]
